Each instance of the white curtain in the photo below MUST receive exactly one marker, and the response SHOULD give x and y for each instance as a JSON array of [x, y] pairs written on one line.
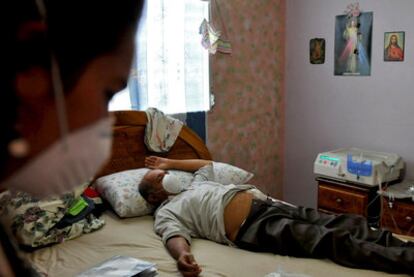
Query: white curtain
[[171, 70]]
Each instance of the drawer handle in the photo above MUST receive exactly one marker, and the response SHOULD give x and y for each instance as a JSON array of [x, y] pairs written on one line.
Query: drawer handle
[[338, 200], [408, 219]]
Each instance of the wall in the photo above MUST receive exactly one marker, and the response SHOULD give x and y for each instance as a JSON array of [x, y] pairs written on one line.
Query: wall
[[324, 112], [245, 125]]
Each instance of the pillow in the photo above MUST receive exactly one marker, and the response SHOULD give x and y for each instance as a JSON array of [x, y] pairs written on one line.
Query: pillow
[[227, 174], [121, 190]]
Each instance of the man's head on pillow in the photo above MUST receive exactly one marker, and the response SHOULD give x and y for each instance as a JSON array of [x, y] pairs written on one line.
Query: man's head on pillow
[[157, 185]]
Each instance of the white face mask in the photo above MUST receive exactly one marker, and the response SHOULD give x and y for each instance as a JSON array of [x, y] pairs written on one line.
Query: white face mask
[[66, 163], [172, 184], [72, 160]]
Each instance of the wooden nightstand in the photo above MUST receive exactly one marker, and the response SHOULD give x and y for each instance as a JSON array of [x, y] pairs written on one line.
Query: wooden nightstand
[[398, 216], [345, 197]]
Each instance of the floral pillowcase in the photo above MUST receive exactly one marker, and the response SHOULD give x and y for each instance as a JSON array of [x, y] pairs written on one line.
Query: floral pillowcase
[[227, 174], [121, 190]]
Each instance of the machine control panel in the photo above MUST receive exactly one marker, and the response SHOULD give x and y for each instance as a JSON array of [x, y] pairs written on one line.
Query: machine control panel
[[328, 161]]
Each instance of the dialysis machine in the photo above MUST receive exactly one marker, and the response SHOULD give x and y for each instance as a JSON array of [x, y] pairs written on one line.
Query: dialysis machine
[[361, 168], [367, 168]]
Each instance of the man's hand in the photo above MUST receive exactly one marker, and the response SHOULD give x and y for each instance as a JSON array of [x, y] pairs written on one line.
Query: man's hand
[[187, 265], [155, 162], [180, 250]]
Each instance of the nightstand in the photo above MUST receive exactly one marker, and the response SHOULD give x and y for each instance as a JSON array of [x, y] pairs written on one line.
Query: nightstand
[[398, 216], [398, 208], [346, 197]]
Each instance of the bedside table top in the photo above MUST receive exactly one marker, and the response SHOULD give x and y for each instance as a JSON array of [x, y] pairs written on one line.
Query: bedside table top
[[400, 191]]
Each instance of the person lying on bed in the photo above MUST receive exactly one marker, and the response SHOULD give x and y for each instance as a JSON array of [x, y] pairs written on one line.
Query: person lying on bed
[[235, 216]]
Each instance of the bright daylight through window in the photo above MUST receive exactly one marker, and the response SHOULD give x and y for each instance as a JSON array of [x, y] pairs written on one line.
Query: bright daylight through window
[[171, 68]]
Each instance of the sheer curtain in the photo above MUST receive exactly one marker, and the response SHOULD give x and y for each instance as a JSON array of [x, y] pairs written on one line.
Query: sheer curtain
[[171, 68]]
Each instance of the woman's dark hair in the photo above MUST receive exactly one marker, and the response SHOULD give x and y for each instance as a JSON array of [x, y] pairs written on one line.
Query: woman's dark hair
[[77, 32]]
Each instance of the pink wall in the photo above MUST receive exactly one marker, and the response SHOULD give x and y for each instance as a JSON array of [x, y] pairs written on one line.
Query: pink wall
[[245, 126]]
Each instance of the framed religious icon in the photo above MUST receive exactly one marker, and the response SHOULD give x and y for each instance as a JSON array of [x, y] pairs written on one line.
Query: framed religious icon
[[317, 51], [353, 35], [394, 46]]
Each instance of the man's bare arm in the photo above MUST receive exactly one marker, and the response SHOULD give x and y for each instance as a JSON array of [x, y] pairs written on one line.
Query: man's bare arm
[[190, 165], [181, 252]]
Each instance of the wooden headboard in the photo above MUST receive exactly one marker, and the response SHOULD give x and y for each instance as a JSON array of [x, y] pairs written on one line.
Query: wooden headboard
[[129, 150]]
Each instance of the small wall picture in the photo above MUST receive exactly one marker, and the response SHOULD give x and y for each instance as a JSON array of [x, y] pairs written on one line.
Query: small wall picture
[[317, 51], [394, 46]]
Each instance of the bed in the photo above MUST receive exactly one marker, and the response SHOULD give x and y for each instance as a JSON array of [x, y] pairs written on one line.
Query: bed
[[135, 237]]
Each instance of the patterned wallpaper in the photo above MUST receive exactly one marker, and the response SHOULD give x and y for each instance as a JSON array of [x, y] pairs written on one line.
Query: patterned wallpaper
[[245, 127]]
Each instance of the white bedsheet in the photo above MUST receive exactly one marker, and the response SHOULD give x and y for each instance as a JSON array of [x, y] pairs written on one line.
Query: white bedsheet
[[135, 237]]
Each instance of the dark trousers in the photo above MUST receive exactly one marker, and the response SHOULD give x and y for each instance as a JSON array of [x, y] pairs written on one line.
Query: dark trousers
[[346, 239]]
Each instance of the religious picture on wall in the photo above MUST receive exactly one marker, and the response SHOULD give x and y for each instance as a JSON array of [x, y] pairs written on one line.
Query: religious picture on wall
[[353, 33], [317, 51], [394, 46]]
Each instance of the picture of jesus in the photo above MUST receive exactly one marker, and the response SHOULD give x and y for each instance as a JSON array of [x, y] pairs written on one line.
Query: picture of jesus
[[353, 36], [394, 46]]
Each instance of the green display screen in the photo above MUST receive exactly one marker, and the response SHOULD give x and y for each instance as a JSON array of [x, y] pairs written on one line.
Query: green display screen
[[324, 157]]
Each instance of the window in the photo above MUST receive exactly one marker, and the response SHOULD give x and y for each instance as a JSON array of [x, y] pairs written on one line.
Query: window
[[171, 68]]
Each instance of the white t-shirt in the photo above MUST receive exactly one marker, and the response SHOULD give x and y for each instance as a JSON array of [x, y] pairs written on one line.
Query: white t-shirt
[[197, 211]]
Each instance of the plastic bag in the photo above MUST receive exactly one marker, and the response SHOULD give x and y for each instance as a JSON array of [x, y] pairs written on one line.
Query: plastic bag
[[281, 273]]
